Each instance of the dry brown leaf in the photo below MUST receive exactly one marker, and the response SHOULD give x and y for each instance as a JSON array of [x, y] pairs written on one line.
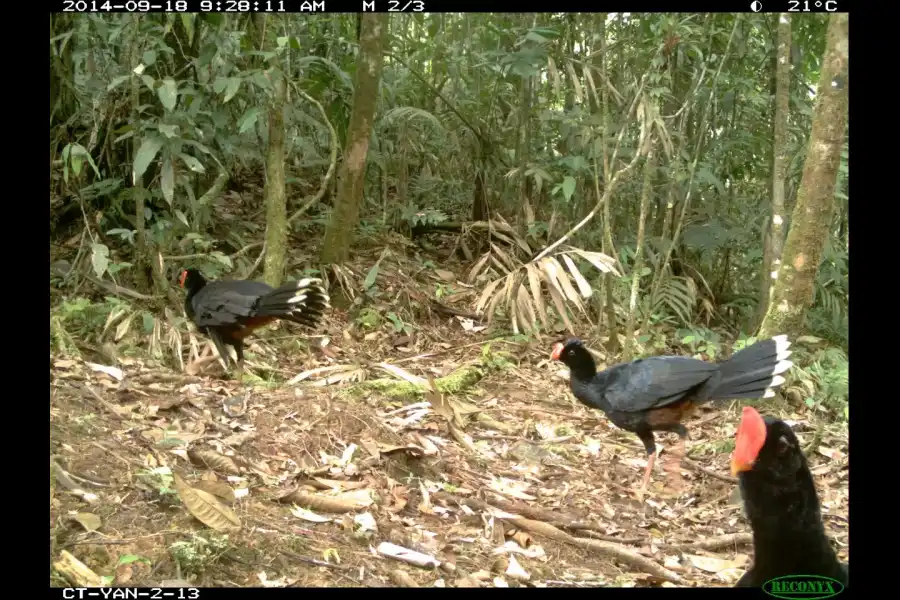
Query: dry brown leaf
[[554, 74], [534, 282], [487, 295], [89, 521], [584, 287], [215, 461], [602, 262], [317, 371], [560, 273], [478, 267], [402, 374], [343, 503], [710, 564], [220, 489], [448, 276], [576, 83], [560, 305], [206, 507]]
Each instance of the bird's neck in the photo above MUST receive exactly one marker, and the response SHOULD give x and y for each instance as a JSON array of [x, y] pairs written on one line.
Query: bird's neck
[[786, 521], [584, 369], [195, 286]]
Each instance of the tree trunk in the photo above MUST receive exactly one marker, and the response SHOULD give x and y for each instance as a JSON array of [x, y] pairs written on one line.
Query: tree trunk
[[338, 234], [811, 219], [773, 239], [276, 200]]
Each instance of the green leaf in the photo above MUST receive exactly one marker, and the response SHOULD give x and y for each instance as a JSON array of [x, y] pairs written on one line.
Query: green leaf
[[187, 20], [225, 260], [126, 559], [168, 93], [220, 84], [248, 120], [145, 155], [234, 83], [99, 258], [147, 321], [149, 57], [371, 276], [169, 131], [192, 163], [568, 187], [167, 181], [688, 339], [182, 217], [116, 82], [149, 82]]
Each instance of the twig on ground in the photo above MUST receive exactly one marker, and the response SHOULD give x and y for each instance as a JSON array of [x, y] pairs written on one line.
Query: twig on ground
[[722, 541], [710, 472], [313, 561], [619, 552]]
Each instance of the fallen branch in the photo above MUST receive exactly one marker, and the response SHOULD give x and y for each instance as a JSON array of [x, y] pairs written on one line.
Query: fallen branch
[[716, 543], [611, 549], [539, 514], [710, 472], [615, 551]]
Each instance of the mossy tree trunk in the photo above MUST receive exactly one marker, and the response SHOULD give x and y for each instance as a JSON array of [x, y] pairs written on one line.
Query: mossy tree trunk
[[276, 201], [352, 174], [811, 219], [773, 241]]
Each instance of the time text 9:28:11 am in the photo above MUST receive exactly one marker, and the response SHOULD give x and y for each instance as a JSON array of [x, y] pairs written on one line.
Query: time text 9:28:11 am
[[172, 5]]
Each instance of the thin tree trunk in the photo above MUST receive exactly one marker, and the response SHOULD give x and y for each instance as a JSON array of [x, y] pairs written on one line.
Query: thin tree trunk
[[649, 167], [774, 236], [811, 219], [276, 199], [339, 233]]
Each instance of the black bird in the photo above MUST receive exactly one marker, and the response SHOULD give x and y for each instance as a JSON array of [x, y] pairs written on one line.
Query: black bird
[[781, 503], [228, 311], [658, 393]]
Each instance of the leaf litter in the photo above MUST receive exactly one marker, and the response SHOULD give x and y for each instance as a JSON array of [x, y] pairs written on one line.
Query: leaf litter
[[315, 484]]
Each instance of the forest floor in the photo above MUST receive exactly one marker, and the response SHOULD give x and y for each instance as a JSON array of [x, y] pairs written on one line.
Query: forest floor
[[163, 477]]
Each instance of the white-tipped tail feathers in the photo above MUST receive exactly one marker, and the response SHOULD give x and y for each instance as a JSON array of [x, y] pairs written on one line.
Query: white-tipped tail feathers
[[304, 302], [755, 371]]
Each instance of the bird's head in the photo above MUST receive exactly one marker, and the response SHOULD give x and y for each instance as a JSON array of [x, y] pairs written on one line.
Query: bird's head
[[574, 355], [190, 279], [766, 444]]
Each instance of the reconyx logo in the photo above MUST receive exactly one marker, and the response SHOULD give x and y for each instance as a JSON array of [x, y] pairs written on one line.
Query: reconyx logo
[[808, 587]]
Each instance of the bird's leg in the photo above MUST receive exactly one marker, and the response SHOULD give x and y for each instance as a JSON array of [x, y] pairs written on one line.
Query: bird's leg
[[239, 367], [651, 460], [650, 445]]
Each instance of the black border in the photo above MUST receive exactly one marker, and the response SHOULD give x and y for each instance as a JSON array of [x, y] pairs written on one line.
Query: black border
[[873, 410]]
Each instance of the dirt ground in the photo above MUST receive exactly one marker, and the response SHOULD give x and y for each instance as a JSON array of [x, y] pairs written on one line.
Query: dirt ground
[[350, 477]]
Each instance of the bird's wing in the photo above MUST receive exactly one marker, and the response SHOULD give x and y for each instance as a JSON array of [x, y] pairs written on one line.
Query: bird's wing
[[221, 303], [655, 382]]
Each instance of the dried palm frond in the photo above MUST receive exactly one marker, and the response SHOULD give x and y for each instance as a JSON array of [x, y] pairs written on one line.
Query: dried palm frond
[[560, 274]]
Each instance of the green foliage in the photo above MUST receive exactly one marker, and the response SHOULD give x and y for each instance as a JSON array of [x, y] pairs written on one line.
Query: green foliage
[[825, 380], [159, 479], [701, 340], [495, 360], [199, 553]]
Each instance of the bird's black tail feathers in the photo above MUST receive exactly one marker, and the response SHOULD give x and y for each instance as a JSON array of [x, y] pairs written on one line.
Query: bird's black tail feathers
[[304, 302], [754, 372]]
